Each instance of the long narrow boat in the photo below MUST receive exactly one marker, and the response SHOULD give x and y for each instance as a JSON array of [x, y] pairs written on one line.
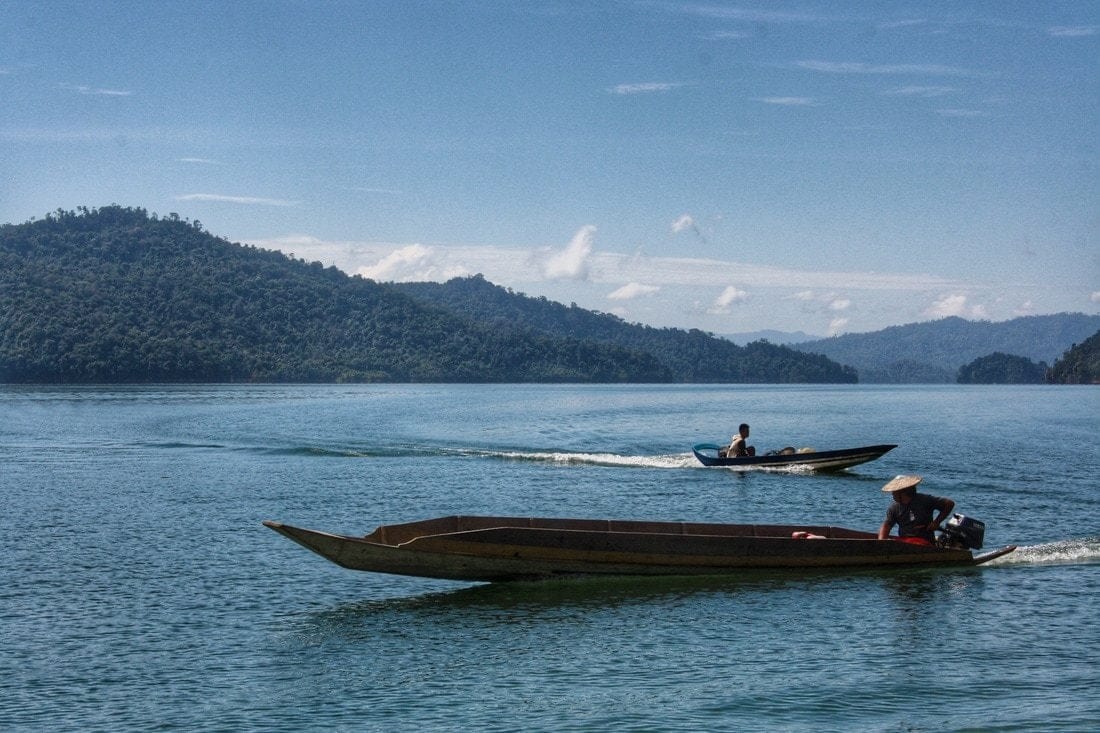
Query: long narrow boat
[[511, 548], [825, 460]]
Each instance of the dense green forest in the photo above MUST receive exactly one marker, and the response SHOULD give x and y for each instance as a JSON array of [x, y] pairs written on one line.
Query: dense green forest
[[934, 351], [998, 368], [693, 356], [117, 295], [1079, 365]]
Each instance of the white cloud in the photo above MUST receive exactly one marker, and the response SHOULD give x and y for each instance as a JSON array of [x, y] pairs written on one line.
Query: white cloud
[[961, 113], [839, 304], [413, 263], [246, 200], [788, 101], [727, 35], [1077, 31], [727, 298], [514, 267], [949, 305], [1095, 297], [1027, 308], [837, 326], [199, 161], [646, 87], [684, 222], [748, 15], [81, 89], [920, 91], [856, 67], [572, 262], [633, 290], [367, 189], [890, 25], [956, 305]]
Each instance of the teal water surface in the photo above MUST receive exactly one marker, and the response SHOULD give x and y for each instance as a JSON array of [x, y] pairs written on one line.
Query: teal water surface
[[140, 591]]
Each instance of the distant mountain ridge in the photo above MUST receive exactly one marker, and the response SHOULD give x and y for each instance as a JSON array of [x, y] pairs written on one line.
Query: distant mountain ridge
[[694, 356], [785, 338], [933, 351]]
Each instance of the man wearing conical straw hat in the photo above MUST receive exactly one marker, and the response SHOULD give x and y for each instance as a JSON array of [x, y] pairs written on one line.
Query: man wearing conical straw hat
[[912, 512]]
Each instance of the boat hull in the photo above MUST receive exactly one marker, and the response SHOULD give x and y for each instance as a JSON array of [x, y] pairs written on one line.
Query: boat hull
[[829, 460], [494, 549]]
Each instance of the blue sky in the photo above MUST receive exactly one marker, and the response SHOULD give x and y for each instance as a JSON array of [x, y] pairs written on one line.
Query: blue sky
[[817, 166]]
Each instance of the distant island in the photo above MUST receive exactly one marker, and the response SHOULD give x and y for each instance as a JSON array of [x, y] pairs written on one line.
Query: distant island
[[116, 295], [936, 351]]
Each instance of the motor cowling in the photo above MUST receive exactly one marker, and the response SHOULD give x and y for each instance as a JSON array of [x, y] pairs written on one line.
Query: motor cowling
[[960, 530]]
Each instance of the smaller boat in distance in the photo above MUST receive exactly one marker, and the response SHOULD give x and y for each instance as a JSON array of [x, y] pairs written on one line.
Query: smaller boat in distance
[[492, 549], [814, 460]]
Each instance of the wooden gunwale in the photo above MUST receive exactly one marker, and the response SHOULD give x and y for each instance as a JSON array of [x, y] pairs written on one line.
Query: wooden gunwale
[[510, 548]]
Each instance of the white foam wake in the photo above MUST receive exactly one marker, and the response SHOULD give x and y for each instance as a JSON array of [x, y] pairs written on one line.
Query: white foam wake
[[676, 460], [1063, 552]]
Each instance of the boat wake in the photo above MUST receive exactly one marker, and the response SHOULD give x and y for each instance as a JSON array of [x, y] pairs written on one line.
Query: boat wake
[[562, 458], [1064, 552]]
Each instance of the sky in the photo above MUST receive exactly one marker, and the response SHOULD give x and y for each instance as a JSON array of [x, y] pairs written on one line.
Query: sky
[[824, 167]]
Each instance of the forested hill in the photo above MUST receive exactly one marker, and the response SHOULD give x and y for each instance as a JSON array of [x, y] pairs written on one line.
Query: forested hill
[[115, 295], [1079, 365], [693, 356], [934, 351]]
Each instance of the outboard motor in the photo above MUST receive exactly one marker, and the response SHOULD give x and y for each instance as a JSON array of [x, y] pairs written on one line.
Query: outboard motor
[[963, 531]]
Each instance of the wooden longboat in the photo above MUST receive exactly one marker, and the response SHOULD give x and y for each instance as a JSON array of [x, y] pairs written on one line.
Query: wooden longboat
[[491, 549], [825, 460]]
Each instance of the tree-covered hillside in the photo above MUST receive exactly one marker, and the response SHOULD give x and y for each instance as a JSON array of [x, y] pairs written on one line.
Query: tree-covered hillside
[[998, 368], [693, 356], [934, 351], [1079, 365], [114, 295]]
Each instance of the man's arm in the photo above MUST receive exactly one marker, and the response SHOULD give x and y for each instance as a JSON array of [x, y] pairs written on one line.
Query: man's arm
[[884, 530], [944, 508]]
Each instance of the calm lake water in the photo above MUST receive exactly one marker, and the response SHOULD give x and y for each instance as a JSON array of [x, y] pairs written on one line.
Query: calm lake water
[[140, 592]]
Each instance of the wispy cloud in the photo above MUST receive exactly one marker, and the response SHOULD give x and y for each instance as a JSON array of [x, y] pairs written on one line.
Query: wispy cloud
[[1095, 297], [200, 161], [514, 267], [683, 222], [1074, 31], [837, 326], [369, 189], [651, 87], [413, 263], [727, 35], [856, 67], [963, 113], [244, 200], [788, 101], [892, 24], [572, 262], [749, 15], [920, 91], [633, 290], [727, 299], [93, 91], [955, 305]]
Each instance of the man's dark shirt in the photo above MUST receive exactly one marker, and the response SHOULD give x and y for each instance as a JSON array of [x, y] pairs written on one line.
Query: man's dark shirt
[[913, 518]]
